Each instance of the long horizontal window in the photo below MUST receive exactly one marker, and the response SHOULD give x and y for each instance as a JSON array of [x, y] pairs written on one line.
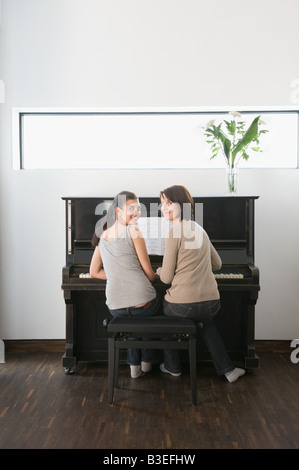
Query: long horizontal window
[[147, 139]]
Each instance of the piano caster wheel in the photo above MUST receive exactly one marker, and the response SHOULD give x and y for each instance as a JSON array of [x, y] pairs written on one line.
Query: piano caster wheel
[[68, 371]]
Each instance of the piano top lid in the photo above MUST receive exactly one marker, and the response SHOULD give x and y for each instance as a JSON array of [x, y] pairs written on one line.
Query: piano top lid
[[65, 198]]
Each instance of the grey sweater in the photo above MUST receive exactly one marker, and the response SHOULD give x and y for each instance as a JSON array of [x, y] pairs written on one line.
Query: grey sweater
[[188, 265]]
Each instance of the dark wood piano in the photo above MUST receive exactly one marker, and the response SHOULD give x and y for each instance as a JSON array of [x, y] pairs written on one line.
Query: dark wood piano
[[229, 222]]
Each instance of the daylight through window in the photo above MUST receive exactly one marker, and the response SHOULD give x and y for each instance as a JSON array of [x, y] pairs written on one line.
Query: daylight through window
[[156, 140]]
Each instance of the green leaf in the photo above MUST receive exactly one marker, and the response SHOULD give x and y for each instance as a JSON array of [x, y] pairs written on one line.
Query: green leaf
[[249, 135], [231, 127], [226, 148]]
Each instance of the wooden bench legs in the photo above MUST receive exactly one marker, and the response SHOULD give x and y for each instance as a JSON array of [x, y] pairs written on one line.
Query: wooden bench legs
[[179, 334]]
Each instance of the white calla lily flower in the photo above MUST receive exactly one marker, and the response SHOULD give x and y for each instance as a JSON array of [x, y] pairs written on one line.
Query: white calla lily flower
[[235, 114], [210, 123]]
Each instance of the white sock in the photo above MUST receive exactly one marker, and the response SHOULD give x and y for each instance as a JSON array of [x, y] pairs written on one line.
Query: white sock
[[146, 366], [234, 374], [136, 372]]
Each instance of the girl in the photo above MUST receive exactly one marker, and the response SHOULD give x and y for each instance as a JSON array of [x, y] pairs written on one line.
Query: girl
[[120, 256], [188, 265]]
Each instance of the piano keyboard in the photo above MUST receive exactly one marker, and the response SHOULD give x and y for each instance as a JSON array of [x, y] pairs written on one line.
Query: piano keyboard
[[229, 276], [217, 276]]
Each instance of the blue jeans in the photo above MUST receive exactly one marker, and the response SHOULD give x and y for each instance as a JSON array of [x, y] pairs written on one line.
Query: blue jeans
[[203, 314], [135, 356]]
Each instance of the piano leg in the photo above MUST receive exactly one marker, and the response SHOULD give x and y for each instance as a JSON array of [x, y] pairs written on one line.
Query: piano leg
[[251, 360], [69, 360]]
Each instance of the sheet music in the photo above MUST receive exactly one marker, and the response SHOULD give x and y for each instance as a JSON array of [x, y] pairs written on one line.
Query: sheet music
[[154, 231]]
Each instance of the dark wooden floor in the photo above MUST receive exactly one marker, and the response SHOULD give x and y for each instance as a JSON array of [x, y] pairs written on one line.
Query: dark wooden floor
[[42, 408]]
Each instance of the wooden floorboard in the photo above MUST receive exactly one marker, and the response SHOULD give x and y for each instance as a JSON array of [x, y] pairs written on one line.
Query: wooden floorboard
[[43, 408]]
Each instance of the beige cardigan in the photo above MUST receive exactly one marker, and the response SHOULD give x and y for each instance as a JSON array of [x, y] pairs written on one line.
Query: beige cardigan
[[188, 265]]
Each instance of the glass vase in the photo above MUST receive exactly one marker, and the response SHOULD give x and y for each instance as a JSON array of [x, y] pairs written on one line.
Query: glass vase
[[232, 177]]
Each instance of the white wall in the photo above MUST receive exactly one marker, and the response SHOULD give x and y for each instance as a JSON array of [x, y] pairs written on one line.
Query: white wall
[[141, 53]]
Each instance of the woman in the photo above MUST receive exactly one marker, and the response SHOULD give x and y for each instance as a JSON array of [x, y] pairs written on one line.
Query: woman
[[188, 265], [120, 256]]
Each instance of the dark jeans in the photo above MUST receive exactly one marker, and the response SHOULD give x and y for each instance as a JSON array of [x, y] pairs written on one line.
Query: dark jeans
[[135, 356], [203, 314]]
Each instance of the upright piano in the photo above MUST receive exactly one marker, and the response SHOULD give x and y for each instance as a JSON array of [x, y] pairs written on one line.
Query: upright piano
[[229, 222]]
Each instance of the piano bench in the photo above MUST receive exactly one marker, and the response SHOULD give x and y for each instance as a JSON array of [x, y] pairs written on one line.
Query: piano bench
[[157, 332]]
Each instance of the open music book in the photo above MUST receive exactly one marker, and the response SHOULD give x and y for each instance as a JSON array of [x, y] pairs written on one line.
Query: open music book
[[154, 231]]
